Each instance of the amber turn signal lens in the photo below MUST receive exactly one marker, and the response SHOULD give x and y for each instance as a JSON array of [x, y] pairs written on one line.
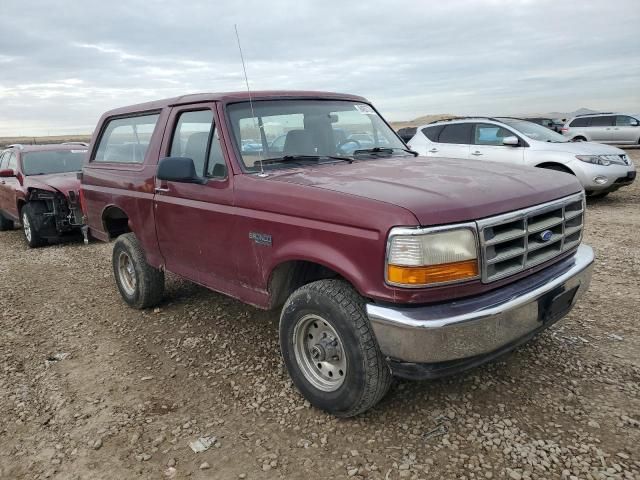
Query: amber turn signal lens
[[446, 272]]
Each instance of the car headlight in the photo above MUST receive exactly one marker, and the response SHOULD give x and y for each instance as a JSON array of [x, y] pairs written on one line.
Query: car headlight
[[604, 160], [595, 159], [423, 257]]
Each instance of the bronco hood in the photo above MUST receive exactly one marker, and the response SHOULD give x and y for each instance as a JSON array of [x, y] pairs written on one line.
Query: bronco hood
[[439, 190], [61, 182]]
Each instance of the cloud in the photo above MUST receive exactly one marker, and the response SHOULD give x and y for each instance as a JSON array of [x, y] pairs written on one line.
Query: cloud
[[73, 60]]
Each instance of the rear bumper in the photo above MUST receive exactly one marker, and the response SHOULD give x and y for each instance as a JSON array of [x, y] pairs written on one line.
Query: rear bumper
[[465, 333]]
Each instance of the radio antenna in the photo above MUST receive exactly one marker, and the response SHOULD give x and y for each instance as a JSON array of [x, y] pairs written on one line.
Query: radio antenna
[[246, 81]]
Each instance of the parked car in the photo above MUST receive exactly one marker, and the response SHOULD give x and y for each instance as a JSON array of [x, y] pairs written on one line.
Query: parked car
[[617, 128], [39, 188], [384, 263], [601, 169], [550, 123]]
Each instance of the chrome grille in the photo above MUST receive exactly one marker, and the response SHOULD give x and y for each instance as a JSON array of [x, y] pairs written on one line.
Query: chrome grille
[[513, 242]]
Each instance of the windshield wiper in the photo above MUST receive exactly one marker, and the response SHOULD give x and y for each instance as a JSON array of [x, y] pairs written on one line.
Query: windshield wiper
[[388, 150], [297, 158]]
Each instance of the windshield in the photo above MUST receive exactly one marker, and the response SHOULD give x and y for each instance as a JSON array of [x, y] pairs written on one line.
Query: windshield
[[53, 161], [299, 132], [534, 131]]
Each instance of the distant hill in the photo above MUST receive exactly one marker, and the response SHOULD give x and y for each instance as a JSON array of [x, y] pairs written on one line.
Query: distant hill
[[580, 111], [424, 119]]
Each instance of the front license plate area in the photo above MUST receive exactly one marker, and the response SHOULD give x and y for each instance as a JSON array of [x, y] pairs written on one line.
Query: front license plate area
[[555, 304]]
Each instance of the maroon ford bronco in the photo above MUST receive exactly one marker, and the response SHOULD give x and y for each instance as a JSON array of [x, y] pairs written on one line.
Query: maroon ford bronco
[[39, 188], [384, 263]]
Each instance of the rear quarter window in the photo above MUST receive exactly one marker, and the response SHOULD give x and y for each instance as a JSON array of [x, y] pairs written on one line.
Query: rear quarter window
[[580, 122], [432, 133], [126, 140]]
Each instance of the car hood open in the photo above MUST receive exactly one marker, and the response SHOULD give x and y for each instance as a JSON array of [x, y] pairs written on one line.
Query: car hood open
[[439, 190]]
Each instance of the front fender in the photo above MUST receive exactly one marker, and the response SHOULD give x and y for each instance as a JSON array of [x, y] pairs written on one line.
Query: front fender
[[322, 254]]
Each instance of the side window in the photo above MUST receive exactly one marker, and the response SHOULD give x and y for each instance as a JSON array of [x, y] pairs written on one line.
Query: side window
[[604, 121], [625, 121], [191, 137], [487, 134], [194, 132], [12, 164], [580, 122], [432, 132], [456, 133], [126, 140], [3, 160]]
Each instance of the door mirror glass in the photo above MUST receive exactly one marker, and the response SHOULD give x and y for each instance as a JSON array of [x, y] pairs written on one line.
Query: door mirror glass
[[7, 172], [178, 169], [511, 140], [634, 123]]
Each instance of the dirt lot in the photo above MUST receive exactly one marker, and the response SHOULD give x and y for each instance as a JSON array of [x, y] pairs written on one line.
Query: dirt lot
[[90, 389]]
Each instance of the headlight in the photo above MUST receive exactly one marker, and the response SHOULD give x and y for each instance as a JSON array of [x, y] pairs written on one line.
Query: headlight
[[423, 257], [604, 160], [595, 159]]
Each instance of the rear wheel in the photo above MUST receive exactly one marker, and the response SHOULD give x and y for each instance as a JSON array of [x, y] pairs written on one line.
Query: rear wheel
[[330, 350], [578, 139], [140, 285], [5, 223], [30, 225]]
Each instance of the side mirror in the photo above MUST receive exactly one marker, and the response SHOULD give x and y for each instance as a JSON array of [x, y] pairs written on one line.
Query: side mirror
[[634, 123], [511, 140], [7, 172], [178, 169]]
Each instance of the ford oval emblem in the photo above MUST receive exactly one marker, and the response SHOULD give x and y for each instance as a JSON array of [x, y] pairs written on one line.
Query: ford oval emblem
[[546, 235]]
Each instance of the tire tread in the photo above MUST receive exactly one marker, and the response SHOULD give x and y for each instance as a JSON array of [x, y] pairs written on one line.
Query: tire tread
[[378, 374], [150, 283]]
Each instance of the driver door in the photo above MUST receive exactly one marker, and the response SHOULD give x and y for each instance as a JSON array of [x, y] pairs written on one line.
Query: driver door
[[487, 145], [194, 221]]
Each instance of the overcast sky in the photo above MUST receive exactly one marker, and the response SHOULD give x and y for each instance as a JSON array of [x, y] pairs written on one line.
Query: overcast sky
[[63, 63]]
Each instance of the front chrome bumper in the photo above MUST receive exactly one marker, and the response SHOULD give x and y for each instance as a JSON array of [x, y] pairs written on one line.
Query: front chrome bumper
[[479, 325]]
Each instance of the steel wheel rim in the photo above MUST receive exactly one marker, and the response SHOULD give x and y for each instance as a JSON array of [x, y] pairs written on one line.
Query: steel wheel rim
[[127, 273], [319, 353], [26, 226]]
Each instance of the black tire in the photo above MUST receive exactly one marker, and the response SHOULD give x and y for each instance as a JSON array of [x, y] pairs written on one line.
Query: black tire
[[597, 194], [578, 139], [367, 377], [31, 219], [140, 285], [5, 223]]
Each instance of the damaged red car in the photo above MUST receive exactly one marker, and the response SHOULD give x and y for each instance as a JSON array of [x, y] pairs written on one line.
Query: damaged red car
[[39, 189]]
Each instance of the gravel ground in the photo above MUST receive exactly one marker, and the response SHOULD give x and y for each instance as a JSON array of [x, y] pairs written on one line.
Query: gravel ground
[[90, 389]]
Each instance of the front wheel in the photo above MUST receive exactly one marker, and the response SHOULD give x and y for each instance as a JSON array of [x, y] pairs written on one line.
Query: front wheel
[[330, 350], [30, 226], [140, 285]]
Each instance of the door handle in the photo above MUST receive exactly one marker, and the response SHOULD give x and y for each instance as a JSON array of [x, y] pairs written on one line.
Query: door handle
[[433, 150], [476, 153], [161, 190]]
